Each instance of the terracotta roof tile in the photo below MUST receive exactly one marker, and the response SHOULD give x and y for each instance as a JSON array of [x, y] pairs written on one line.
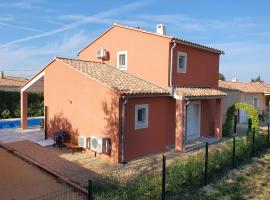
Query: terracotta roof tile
[[14, 82], [252, 87], [114, 78], [196, 92]]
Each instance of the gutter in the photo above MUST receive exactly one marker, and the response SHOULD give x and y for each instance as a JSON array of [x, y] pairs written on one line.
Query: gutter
[[123, 130], [171, 62]]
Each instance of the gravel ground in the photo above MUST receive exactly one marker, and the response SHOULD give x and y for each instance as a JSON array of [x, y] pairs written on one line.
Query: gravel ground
[[21, 180]]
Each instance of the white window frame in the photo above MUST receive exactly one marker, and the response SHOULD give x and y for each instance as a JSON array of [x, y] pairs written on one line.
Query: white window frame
[[253, 102], [179, 53], [123, 67], [137, 124]]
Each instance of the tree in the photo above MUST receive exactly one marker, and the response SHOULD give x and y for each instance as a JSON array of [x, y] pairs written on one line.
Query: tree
[[258, 79], [221, 77]]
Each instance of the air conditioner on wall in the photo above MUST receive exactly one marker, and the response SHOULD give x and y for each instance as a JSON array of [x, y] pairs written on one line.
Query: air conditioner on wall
[[100, 144], [101, 53], [84, 142]]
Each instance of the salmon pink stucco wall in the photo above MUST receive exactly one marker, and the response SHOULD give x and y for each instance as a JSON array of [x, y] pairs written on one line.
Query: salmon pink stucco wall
[[78, 104], [147, 54], [161, 127], [202, 68]]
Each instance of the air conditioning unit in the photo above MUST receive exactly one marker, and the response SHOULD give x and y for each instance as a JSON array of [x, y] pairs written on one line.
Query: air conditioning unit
[[100, 144], [84, 142], [101, 53]]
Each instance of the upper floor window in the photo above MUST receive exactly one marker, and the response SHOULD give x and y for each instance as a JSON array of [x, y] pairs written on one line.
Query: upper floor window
[[141, 116], [122, 60], [181, 62], [255, 102]]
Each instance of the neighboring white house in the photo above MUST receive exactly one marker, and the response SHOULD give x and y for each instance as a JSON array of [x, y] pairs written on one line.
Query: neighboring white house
[[11, 83], [257, 94]]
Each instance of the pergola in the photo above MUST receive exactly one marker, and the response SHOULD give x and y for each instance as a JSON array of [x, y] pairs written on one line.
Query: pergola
[[35, 85]]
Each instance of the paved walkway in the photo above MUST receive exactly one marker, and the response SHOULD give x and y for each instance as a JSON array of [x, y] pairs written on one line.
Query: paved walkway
[[22, 181], [17, 134], [53, 162]]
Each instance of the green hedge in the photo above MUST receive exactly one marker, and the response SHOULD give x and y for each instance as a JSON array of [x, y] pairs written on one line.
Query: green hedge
[[252, 115], [10, 104]]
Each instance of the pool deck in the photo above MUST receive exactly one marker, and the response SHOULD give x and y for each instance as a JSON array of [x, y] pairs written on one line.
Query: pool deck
[[17, 134]]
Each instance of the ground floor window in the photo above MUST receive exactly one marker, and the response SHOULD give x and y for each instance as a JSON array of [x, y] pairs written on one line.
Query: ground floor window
[[141, 116]]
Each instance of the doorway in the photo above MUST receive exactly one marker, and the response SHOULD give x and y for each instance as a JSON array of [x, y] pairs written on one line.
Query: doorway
[[193, 120]]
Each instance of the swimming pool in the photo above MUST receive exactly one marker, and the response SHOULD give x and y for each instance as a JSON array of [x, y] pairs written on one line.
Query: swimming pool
[[16, 123]]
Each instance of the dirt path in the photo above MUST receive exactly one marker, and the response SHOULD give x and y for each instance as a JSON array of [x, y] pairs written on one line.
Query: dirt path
[[251, 181], [20, 180]]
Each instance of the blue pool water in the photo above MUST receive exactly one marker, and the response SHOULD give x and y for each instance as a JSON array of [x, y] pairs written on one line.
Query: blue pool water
[[17, 123]]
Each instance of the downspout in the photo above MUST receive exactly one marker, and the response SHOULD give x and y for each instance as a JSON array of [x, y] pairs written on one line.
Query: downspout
[[185, 118], [123, 130], [171, 63]]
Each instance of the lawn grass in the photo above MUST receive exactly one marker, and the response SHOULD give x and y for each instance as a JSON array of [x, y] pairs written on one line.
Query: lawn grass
[[250, 181], [186, 177]]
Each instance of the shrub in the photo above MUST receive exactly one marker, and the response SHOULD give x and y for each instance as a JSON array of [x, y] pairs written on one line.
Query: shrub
[[10, 104], [252, 115], [5, 114]]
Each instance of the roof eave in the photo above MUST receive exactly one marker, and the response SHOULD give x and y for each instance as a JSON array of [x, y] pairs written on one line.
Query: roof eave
[[199, 46]]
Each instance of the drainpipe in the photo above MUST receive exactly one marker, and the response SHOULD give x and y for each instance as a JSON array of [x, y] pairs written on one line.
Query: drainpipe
[[185, 118], [171, 63], [123, 130]]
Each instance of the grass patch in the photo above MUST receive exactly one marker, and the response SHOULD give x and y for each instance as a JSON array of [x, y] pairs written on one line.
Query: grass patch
[[185, 177]]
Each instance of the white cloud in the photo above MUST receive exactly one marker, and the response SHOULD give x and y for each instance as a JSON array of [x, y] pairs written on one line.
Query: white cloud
[[26, 4], [37, 57], [245, 60], [97, 18], [20, 27]]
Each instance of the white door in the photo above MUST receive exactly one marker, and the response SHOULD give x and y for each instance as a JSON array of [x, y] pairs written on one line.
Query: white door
[[193, 120], [243, 118]]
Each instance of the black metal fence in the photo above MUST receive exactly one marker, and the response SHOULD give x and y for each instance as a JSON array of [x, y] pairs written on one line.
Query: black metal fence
[[66, 193], [176, 179], [181, 177]]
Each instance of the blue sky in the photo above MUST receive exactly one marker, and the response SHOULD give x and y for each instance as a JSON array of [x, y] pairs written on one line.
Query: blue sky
[[34, 31]]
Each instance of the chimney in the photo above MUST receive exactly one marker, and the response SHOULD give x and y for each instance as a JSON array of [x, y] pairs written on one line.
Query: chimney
[[234, 80], [2, 75], [161, 29]]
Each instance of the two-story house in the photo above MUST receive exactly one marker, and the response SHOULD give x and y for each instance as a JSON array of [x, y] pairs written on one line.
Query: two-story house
[[140, 92]]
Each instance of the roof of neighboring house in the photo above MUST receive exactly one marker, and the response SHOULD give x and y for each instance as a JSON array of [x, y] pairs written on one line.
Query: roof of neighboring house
[[121, 81], [252, 87], [180, 40], [197, 92], [11, 81]]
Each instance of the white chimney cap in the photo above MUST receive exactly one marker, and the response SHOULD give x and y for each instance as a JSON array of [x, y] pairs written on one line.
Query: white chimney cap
[[234, 79], [161, 29]]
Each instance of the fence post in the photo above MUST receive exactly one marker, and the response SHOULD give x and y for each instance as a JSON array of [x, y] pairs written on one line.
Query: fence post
[[163, 177], [233, 157], [90, 190], [235, 123], [268, 135], [206, 164], [253, 142]]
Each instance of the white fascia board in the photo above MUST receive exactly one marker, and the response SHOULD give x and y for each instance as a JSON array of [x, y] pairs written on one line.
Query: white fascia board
[[32, 82]]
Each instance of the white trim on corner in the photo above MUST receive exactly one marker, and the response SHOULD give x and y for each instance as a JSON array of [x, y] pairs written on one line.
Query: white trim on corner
[[180, 53], [30, 83], [137, 107], [124, 67]]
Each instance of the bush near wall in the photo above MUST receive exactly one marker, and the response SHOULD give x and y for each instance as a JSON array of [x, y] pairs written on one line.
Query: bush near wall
[[10, 104], [252, 115]]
